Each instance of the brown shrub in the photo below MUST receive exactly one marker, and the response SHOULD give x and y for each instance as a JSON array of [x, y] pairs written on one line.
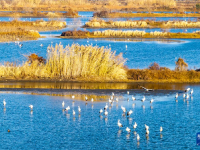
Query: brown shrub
[[181, 65], [75, 33], [154, 66], [35, 57], [101, 14]]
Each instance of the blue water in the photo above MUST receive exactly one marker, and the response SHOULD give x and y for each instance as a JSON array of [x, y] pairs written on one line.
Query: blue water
[[49, 127]]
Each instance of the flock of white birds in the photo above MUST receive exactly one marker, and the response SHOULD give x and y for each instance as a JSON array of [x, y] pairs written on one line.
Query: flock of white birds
[[125, 112]]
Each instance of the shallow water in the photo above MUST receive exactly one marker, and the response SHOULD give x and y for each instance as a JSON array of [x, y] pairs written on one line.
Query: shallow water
[[49, 127]]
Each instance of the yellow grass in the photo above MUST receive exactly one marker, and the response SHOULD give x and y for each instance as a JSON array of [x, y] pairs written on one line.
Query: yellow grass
[[71, 62], [98, 23]]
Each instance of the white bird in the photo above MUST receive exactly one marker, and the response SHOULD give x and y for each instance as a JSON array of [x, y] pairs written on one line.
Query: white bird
[[79, 109], [110, 101], [183, 95], [128, 92], [117, 99], [74, 112], [138, 137], [123, 108], [86, 98], [106, 113], [187, 90], [146, 127], [187, 96], [191, 92], [176, 95], [41, 45], [151, 101], [20, 45], [143, 99], [73, 96], [63, 104], [4, 102], [92, 99], [135, 125], [128, 129], [126, 46], [68, 108], [31, 106], [119, 124], [106, 107], [129, 113], [161, 129], [133, 98], [101, 110]]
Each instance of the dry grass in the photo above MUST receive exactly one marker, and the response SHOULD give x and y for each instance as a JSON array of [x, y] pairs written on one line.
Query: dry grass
[[166, 75], [71, 62], [98, 23], [129, 34]]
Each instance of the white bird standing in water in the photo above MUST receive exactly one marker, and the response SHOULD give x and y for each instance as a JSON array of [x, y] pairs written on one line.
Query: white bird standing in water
[[147, 132], [184, 95], [73, 96], [117, 99], [101, 110], [79, 109], [176, 95], [74, 112], [68, 108], [161, 129], [138, 137], [63, 104], [86, 98], [187, 90], [133, 98], [4, 103], [129, 113], [123, 108], [41, 45], [151, 101], [143, 99], [146, 127], [31, 106], [106, 107], [128, 92], [106, 113], [119, 124], [187, 96], [128, 129], [191, 92], [92, 100], [135, 125], [126, 46]]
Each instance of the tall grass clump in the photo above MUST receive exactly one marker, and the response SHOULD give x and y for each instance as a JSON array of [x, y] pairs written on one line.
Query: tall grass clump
[[72, 62]]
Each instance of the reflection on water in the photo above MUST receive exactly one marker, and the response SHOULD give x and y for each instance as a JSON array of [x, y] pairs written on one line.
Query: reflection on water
[[72, 85], [145, 40]]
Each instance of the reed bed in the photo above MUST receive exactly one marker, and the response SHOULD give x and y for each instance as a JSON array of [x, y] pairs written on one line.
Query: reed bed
[[70, 63], [38, 25], [128, 34], [97, 23]]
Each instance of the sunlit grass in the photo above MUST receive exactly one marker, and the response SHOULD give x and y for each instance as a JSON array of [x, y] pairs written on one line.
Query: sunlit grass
[[72, 63]]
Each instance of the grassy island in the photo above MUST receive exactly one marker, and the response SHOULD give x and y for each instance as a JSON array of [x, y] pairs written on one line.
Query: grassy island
[[97, 23], [128, 34], [26, 30], [91, 64]]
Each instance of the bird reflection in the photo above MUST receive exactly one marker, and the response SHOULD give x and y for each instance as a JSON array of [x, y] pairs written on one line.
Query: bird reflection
[[68, 116], [176, 100], [92, 106], [151, 107], [119, 133], [147, 136], [106, 119], [133, 105], [138, 143], [4, 110], [128, 136], [116, 106], [143, 106], [79, 115], [31, 112], [134, 132], [161, 136], [74, 118], [85, 104]]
